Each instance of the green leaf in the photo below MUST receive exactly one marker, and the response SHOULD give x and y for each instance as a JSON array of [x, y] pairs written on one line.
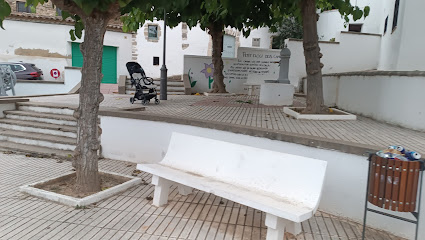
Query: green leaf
[[72, 33], [366, 11], [4, 11], [192, 84], [79, 27], [65, 15]]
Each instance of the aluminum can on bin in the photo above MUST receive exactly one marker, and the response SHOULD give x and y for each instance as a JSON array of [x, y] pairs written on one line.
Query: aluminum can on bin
[[413, 156]]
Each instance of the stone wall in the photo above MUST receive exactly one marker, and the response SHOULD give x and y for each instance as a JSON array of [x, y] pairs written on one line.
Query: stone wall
[[46, 9]]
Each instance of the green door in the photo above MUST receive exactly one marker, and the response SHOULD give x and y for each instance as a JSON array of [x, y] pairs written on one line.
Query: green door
[[109, 62]]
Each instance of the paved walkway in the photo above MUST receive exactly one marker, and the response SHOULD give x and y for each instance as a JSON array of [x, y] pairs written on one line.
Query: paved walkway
[[131, 216], [246, 111], [106, 88]]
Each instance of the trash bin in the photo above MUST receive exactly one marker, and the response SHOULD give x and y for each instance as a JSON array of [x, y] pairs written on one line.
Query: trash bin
[[393, 184]]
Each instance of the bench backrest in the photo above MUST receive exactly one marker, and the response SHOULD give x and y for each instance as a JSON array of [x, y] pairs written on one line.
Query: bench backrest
[[295, 178]]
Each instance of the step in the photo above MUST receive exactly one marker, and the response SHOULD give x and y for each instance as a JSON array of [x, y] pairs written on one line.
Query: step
[[171, 83], [37, 150], [47, 108], [168, 93], [169, 88], [59, 119], [158, 81], [37, 127], [38, 139], [158, 84]]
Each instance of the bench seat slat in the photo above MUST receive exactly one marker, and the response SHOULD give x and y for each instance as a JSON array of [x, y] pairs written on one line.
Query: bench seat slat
[[293, 211]]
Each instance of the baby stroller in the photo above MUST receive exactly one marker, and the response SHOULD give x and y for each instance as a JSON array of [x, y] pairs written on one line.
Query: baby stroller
[[143, 93]]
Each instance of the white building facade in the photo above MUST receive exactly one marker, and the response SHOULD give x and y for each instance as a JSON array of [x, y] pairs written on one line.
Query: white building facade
[[46, 42], [397, 23], [184, 41]]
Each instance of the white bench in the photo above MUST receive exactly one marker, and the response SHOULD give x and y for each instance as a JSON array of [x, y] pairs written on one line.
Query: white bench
[[286, 187]]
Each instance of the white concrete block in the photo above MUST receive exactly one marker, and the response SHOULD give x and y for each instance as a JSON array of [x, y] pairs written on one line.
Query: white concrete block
[[276, 94]]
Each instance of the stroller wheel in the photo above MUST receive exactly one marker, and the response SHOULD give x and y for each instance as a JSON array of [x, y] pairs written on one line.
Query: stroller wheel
[[156, 101], [132, 100], [144, 101]]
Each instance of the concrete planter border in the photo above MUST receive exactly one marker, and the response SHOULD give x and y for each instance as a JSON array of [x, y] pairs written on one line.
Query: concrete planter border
[[342, 116], [72, 201]]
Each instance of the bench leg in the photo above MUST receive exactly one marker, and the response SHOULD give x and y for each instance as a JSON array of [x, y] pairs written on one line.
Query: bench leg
[[162, 189], [276, 227], [292, 227], [184, 190]]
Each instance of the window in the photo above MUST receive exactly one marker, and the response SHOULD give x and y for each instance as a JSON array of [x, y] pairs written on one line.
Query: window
[[20, 7], [155, 60], [153, 32], [395, 19], [17, 68], [275, 42], [355, 27], [256, 42], [386, 25]]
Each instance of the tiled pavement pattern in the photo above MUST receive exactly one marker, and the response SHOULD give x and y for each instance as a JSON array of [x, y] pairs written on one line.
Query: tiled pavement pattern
[[131, 216], [245, 110], [108, 88]]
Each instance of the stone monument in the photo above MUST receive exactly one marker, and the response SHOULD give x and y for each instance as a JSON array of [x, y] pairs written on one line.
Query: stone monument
[[279, 92]]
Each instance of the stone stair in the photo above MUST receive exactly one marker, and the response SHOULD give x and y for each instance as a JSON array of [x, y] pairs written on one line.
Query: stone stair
[[42, 129], [175, 85]]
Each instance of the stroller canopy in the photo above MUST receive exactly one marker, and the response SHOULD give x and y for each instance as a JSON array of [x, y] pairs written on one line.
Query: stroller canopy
[[134, 67]]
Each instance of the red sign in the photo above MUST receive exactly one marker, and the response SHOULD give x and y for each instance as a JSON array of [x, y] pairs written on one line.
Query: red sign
[[55, 73]]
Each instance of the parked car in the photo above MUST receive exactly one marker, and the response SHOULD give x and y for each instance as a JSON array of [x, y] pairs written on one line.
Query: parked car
[[26, 71]]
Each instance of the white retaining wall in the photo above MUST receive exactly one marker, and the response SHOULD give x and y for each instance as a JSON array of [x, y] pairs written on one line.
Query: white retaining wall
[[344, 187], [72, 76], [394, 99], [354, 52], [48, 46]]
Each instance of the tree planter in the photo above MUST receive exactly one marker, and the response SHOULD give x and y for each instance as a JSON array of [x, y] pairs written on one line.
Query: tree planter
[[73, 201], [337, 115]]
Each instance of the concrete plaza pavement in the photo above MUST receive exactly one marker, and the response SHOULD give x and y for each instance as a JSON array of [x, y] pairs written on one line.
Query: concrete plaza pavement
[[130, 214]]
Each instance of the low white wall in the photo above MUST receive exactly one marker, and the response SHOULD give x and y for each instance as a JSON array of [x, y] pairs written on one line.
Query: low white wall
[[261, 63], [354, 52], [394, 99], [72, 77], [344, 187]]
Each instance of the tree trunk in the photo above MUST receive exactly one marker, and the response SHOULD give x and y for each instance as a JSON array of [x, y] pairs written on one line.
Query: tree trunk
[[88, 130], [312, 58], [216, 32]]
